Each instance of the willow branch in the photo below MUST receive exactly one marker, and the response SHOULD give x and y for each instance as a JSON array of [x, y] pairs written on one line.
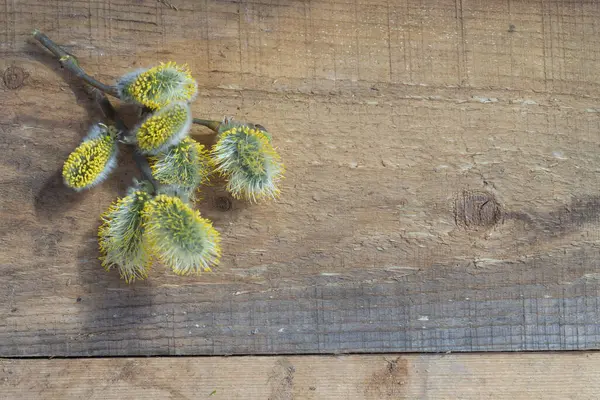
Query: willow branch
[[108, 109], [70, 62], [110, 113], [214, 125], [142, 163]]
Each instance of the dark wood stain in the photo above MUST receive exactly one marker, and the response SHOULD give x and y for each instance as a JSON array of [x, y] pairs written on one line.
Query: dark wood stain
[[390, 381]]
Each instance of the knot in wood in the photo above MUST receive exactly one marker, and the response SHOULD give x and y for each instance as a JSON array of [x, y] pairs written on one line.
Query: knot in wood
[[223, 203], [14, 77], [476, 209]]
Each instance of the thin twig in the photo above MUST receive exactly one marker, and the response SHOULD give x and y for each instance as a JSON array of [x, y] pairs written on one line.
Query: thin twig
[[214, 125], [100, 90], [70, 62], [108, 109], [144, 167]]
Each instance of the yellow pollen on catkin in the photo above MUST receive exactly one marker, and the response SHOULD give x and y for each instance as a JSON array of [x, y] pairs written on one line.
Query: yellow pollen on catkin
[[121, 237], [88, 161], [180, 237], [159, 128], [163, 84], [244, 155], [248, 131], [186, 164]]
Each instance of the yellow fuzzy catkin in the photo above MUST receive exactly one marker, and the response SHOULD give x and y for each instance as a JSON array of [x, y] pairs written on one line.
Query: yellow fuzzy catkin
[[179, 236], [121, 237], [164, 128], [159, 86], [91, 161], [185, 164], [245, 156]]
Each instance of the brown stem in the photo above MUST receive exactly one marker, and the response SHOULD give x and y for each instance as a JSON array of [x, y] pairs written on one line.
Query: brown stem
[[70, 62], [107, 108], [144, 167], [214, 125], [100, 90]]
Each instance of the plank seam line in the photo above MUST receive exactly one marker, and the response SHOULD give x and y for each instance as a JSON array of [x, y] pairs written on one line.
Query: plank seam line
[[326, 354]]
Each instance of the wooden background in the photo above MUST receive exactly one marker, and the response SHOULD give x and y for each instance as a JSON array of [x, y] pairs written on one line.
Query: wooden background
[[442, 191], [527, 376]]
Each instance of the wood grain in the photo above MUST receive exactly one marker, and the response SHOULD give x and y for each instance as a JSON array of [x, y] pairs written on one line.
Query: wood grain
[[442, 191], [389, 376]]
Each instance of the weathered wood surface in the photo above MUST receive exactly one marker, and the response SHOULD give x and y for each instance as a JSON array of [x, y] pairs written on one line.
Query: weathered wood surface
[[442, 191], [537, 376]]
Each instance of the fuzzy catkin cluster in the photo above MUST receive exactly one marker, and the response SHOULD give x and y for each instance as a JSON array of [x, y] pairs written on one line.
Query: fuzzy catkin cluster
[[140, 227], [156, 219]]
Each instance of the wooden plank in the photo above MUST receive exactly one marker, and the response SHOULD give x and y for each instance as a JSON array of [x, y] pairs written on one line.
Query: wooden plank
[[441, 195], [543, 376]]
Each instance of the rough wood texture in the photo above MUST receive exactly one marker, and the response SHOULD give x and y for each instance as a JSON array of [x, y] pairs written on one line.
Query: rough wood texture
[[442, 189], [433, 377]]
